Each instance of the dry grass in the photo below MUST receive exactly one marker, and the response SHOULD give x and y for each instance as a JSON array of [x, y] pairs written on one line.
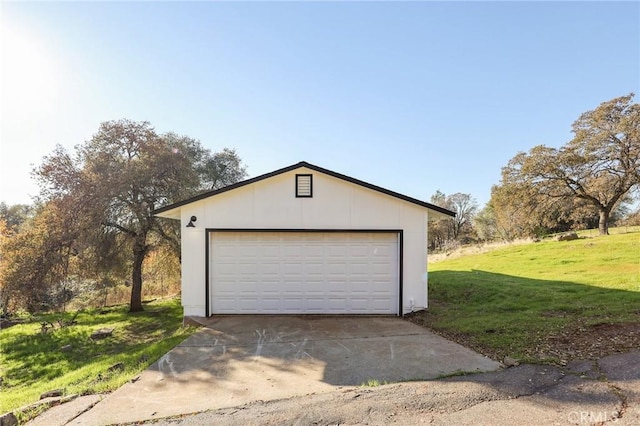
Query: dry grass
[[478, 248]]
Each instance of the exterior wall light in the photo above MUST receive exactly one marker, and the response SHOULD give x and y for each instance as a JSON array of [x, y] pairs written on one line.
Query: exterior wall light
[[190, 224]]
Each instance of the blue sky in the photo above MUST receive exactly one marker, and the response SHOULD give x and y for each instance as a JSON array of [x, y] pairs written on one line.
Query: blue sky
[[412, 96]]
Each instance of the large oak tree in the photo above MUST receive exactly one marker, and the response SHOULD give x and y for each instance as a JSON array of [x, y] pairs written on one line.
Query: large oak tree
[[599, 166], [115, 180]]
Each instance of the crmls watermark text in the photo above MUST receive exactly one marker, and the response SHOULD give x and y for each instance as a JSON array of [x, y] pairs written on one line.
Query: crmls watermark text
[[588, 417]]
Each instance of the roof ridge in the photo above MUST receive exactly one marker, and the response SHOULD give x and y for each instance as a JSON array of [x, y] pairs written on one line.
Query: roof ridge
[[308, 165]]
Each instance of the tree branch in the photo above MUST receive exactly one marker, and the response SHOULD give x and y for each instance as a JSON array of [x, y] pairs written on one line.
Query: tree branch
[[120, 228]]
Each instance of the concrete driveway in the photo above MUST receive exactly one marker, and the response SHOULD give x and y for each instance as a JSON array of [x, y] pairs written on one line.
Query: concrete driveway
[[235, 360]]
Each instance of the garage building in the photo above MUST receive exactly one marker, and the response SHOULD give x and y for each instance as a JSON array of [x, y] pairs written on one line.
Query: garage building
[[303, 240]]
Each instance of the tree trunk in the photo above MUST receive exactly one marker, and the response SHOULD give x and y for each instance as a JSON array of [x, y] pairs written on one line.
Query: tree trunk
[[139, 253], [603, 224]]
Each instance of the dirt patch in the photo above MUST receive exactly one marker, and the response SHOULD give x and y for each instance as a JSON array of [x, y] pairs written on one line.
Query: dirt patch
[[594, 341], [577, 342]]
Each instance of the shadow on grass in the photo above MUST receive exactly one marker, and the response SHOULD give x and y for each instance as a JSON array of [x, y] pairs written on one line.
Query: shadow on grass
[[508, 315]]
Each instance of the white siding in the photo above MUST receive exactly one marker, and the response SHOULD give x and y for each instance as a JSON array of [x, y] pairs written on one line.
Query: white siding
[[336, 204]]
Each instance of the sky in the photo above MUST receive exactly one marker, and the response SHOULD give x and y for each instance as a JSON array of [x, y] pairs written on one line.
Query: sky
[[415, 96]]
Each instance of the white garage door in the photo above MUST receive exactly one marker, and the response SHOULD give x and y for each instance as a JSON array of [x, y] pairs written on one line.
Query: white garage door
[[304, 272]]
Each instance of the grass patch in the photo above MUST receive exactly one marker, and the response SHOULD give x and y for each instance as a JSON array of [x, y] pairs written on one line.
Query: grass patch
[[372, 383], [540, 302], [33, 362]]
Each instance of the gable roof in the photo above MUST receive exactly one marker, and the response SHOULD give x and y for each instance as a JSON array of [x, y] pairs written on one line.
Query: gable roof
[[308, 166]]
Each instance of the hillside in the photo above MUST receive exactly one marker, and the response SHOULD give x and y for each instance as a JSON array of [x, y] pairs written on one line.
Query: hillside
[[545, 302]]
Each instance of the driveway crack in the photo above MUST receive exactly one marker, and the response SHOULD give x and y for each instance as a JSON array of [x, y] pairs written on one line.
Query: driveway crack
[[624, 404]]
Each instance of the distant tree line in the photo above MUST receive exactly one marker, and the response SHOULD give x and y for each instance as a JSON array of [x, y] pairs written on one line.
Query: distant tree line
[[92, 225], [590, 182]]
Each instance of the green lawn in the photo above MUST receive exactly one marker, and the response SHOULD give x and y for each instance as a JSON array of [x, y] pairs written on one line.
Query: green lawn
[[32, 362], [522, 300]]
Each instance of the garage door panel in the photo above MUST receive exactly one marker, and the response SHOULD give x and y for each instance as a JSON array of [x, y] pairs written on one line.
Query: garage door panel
[[360, 303], [226, 269], [314, 291], [268, 292], [336, 290], [304, 272], [222, 301], [248, 269], [380, 270], [267, 302], [291, 271], [292, 304], [380, 251], [272, 254], [270, 269], [360, 287], [312, 250], [315, 303], [335, 250], [337, 303], [359, 269], [336, 269], [314, 269], [359, 251]]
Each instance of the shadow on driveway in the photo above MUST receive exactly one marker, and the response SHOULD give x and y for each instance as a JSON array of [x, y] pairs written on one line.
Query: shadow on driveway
[[341, 351], [236, 360]]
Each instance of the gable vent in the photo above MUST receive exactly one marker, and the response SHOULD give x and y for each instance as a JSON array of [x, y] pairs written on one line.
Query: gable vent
[[304, 186]]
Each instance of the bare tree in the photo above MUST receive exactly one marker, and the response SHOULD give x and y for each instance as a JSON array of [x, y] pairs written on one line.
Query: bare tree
[[465, 207], [445, 230]]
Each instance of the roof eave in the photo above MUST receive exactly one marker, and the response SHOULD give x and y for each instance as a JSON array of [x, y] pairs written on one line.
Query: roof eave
[[172, 210], [168, 214]]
